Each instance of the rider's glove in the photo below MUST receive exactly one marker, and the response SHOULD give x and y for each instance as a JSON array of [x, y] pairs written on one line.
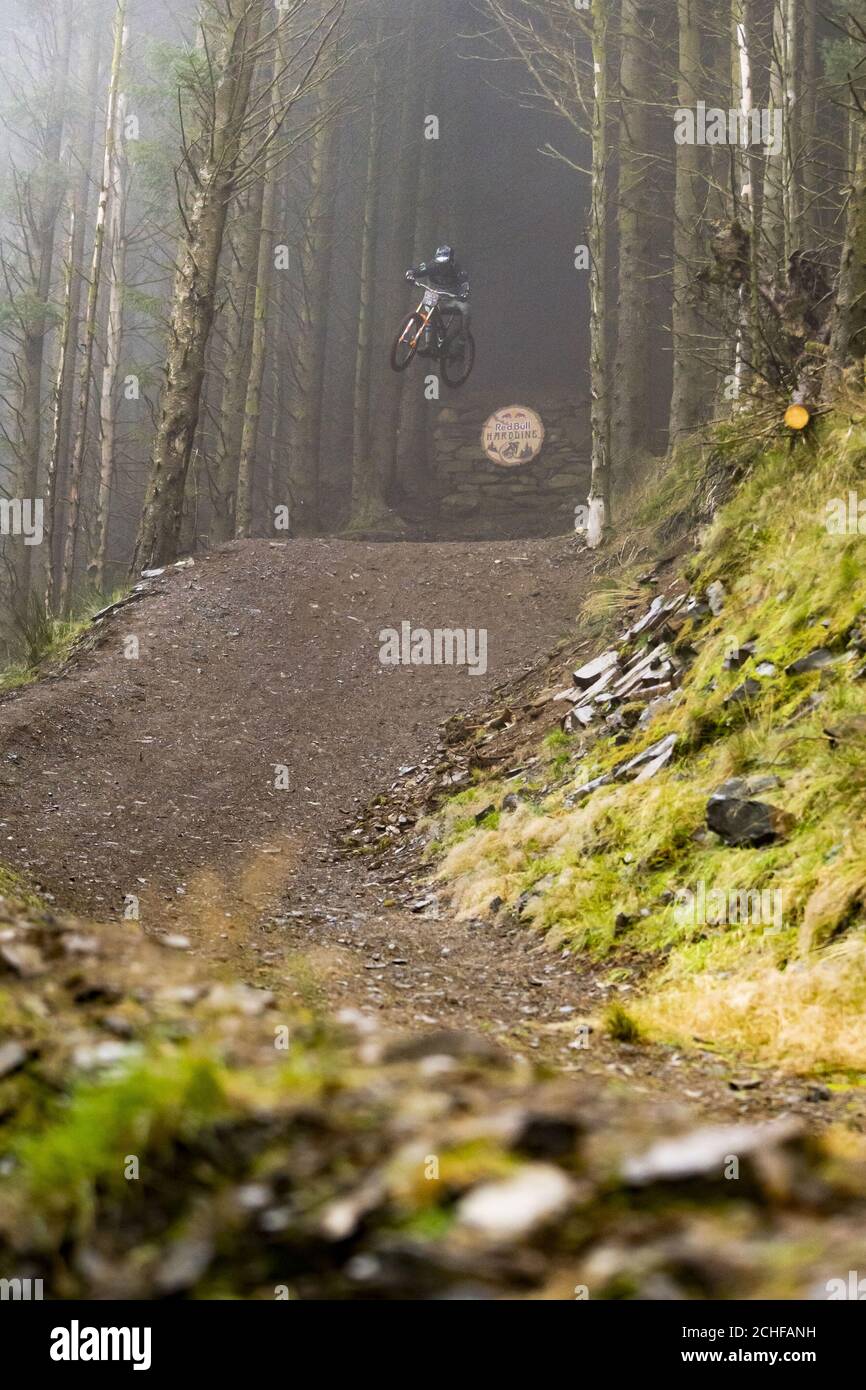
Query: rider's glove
[[409, 275]]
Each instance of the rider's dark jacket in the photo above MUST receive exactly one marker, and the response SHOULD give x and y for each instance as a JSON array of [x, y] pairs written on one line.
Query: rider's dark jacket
[[447, 277]]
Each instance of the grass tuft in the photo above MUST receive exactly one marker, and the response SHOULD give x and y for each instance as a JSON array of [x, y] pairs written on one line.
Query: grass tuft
[[620, 1025], [45, 638]]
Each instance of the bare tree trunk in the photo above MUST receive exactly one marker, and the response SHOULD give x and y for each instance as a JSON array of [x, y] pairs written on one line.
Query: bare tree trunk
[[792, 133], [193, 301], [369, 509], [116, 238], [687, 399], [808, 124], [236, 362], [316, 261], [748, 345], [413, 432], [63, 355], [406, 185], [600, 518], [774, 229], [42, 225], [277, 471], [255, 380], [78, 452], [631, 389], [848, 336], [64, 387]]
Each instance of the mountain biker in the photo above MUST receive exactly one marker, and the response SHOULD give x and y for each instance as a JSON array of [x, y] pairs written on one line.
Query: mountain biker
[[444, 273]]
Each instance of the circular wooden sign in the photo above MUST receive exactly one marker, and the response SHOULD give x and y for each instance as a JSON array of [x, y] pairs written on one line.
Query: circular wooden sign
[[797, 417], [513, 435]]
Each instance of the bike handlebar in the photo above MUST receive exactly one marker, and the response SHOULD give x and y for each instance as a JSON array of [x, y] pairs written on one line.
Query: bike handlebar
[[435, 289]]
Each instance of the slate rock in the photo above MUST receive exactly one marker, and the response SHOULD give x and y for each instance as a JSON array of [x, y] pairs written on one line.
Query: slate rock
[[716, 597], [23, 959], [186, 1262], [816, 660], [513, 1208], [744, 822], [743, 693], [587, 675], [543, 1135], [818, 1094], [656, 756], [703, 1153], [13, 1056], [660, 761], [424, 904], [587, 788], [740, 656], [654, 614], [761, 782], [579, 718], [852, 730]]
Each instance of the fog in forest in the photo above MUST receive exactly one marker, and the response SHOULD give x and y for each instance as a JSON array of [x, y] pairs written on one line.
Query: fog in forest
[[457, 159], [199, 304], [432, 665]]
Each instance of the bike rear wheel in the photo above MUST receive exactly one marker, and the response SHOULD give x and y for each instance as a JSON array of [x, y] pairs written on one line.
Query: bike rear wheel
[[406, 343], [458, 360]]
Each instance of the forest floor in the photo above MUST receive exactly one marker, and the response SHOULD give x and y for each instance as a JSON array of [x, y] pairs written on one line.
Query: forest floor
[[155, 777], [566, 1163]]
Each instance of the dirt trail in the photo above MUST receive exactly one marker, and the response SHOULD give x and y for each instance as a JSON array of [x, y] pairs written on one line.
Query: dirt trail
[[155, 777]]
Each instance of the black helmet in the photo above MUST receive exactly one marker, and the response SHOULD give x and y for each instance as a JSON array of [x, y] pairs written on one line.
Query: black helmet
[[444, 255]]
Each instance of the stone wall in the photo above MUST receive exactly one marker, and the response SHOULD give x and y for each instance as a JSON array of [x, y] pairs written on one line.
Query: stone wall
[[477, 498]]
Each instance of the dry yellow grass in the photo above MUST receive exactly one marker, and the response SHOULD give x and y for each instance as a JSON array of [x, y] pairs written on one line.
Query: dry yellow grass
[[810, 1016]]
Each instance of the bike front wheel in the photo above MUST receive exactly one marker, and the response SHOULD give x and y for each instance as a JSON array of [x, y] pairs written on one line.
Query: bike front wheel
[[457, 360], [406, 343]]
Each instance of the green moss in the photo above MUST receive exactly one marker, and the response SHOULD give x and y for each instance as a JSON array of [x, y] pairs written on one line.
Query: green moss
[[139, 1112], [16, 888], [71, 1159], [430, 1224], [790, 586]]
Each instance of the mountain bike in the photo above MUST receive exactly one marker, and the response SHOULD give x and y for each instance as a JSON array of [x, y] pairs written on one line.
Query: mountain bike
[[425, 333]]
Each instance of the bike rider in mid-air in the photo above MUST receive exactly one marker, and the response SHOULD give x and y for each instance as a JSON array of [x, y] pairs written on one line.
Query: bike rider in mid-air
[[444, 273]]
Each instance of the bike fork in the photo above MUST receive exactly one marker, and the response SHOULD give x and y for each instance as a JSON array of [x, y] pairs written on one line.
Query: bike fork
[[425, 324]]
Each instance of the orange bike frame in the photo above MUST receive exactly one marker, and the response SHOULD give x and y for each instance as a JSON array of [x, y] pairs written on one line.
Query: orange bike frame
[[425, 320]]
